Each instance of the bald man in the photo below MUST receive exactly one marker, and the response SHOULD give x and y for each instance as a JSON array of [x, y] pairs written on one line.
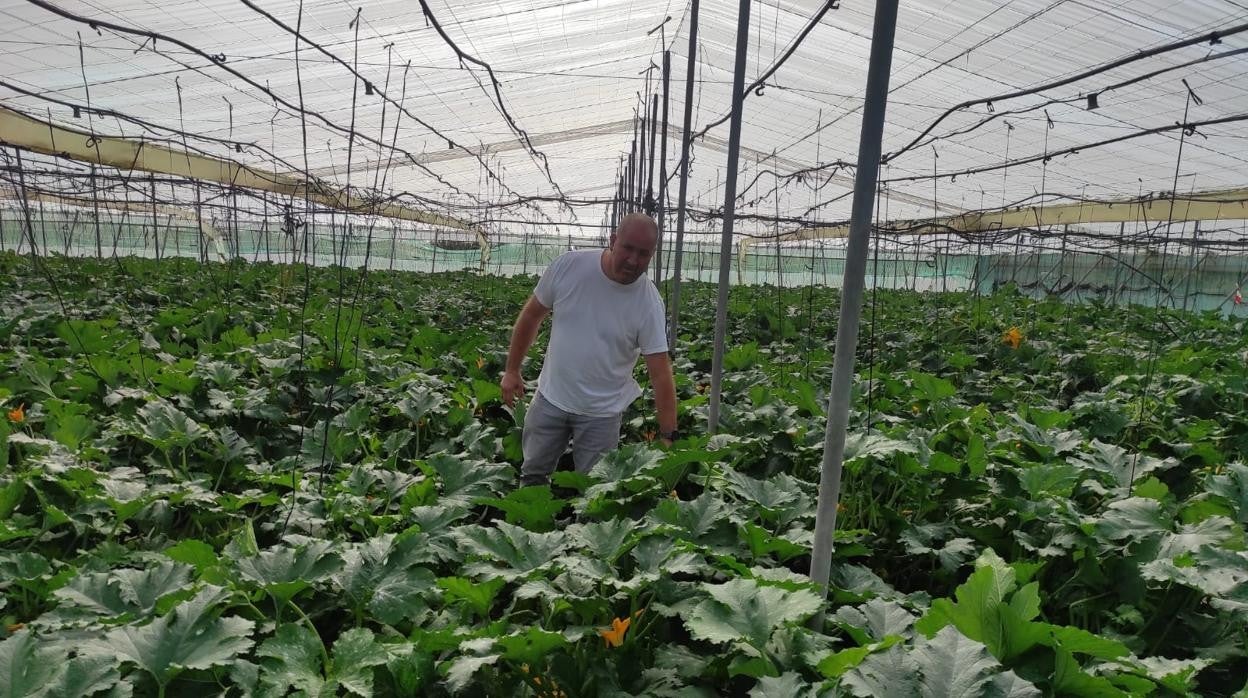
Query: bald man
[[606, 314]]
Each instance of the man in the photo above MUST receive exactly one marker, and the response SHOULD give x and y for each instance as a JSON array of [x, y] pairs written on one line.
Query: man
[[606, 314]]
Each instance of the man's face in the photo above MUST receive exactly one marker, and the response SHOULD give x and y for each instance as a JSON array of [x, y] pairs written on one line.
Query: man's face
[[631, 250]]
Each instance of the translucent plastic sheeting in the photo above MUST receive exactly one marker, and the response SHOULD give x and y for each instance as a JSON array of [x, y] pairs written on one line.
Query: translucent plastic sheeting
[[573, 74]]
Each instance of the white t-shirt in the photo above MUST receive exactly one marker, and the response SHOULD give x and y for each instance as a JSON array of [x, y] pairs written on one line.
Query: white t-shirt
[[598, 330]]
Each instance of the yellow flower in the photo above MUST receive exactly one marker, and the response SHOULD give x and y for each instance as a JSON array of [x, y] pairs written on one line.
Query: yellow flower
[[615, 634], [1013, 337], [480, 362], [17, 415]]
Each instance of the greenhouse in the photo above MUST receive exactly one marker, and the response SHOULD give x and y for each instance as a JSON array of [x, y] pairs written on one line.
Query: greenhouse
[[600, 348]]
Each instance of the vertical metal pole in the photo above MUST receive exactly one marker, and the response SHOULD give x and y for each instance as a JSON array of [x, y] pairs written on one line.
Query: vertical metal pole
[[851, 294], [640, 172], [151, 180], [95, 207], [661, 204], [654, 127], [684, 176], [631, 179], [1191, 266], [433, 259], [730, 201]]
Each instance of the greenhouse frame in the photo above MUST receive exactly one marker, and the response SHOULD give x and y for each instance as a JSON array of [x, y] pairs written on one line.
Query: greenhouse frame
[[952, 294]]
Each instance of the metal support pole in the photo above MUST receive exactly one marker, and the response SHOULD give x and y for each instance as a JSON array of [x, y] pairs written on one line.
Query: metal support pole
[[151, 180], [654, 126], [684, 176], [95, 208], [631, 179], [730, 200], [865, 179], [640, 172], [661, 204]]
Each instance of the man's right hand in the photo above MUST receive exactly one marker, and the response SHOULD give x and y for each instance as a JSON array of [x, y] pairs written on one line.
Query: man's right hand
[[513, 387]]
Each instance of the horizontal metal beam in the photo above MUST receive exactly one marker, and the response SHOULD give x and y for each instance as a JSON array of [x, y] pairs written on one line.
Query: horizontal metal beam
[[459, 153], [41, 136], [137, 207], [1229, 204]]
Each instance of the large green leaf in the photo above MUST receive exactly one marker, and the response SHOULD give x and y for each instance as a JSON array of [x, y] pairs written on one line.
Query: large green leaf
[[468, 479], [520, 550], [86, 676], [532, 507], [953, 666], [696, 518], [292, 659], [356, 652], [1214, 530], [189, 637], [875, 620], [741, 610], [288, 570], [888, 674], [623, 466], [981, 611], [761, 543], [787, 685], [1135, 518], [420, 402], [478, 596], [1213, 571], [863, 445], [26, 667], [461, 671], [1070, 679], [1007, 684], [606, 540], [124, 591], [657, 555], [1116, 466], [383, 575], [1232, 486], [143, 588], [167, 427], [530, 646], [773, 493]]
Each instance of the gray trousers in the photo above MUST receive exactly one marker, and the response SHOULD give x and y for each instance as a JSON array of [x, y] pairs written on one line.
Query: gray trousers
[[545, 436]]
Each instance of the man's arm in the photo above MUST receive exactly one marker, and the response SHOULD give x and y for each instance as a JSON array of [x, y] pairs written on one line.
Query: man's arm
[[522, 336], [659, 367]]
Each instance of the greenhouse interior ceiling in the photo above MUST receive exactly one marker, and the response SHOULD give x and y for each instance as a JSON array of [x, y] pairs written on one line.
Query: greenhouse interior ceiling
[[522, 115]]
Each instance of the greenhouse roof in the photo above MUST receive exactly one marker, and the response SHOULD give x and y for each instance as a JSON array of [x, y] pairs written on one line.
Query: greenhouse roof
[[572, 76]]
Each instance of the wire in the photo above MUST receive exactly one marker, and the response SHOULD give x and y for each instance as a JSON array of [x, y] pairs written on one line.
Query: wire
[[502, 106], [757, 86], [1212, 37], [1188, 127]]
